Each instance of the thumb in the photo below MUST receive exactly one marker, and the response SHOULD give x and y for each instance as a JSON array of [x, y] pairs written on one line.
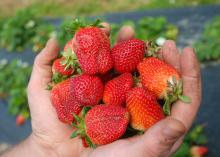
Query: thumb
[[159, 139]]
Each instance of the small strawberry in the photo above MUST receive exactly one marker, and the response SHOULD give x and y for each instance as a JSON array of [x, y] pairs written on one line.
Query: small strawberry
[[127, 54], [84, 143], [102, 124], [162, 79], [20, 120], [64, 101], [88, 90], [92, 48], [143, 108], [58, 67], [198, 151], [116, 89], [69, 46]]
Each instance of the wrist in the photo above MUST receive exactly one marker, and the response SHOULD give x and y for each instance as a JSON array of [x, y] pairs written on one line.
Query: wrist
[[40, 147]]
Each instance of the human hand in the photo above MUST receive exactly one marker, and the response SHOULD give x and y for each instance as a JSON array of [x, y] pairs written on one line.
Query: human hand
[[160, 140]]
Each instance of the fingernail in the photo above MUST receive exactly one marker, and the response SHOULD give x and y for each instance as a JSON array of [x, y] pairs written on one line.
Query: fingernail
[[174, 129]]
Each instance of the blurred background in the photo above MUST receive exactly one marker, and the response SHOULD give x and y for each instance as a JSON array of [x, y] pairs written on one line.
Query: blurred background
[[26, 25]]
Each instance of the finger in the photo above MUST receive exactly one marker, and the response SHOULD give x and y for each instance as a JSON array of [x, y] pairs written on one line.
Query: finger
[[170, 54], [176, 146], [41, 74], [160, 138], [190, 71], [106, 28], [125, 33]]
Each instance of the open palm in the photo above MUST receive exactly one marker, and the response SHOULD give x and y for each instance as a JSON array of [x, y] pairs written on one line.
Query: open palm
[[160, 140]]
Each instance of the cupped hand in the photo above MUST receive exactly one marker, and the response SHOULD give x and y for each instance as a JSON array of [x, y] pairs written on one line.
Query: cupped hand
[[160, 140]]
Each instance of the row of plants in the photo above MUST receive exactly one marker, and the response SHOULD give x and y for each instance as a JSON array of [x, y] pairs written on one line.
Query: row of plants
[[13, 85], [32, 31]]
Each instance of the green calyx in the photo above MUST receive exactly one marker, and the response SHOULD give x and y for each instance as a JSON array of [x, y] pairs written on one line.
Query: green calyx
[[79, 125], [77, 24], [153, 49], [57, 77], [70, 59], [173, 93]]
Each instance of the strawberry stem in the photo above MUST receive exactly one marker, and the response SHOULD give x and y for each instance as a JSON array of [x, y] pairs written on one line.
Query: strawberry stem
[[173, 93], [153, 49]]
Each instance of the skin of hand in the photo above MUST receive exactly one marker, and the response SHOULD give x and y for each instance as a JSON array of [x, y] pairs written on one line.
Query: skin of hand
[[161, 140]]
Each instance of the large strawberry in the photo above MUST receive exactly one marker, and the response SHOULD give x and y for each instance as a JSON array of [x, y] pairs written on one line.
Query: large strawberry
[[92, 48], [64, 101], [88, 90], [116, 89], [143, 108], [102, 124], [127, 54], [162, 79]]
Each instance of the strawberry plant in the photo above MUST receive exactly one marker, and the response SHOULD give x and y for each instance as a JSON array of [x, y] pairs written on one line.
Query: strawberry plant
[[208, 47], [17, 38], [44, 32], [14, 89], [193, 145], [161, 28]]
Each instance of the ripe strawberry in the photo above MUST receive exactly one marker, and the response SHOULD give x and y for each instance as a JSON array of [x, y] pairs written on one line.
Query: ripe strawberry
[[143, 108], [127, 54], [64, 101], [161, 79], [60, 68], [102, 124], [88, 90], [198, 151], [69, 46], [84, 143], [92, 48], [20, 120], [116, 89]]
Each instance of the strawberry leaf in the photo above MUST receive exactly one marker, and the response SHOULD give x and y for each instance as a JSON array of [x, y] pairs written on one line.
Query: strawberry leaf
[[74, 134], [184, 98]]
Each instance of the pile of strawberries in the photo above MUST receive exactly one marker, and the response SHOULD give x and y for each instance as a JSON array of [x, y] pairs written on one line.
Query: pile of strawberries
[[102, 91]]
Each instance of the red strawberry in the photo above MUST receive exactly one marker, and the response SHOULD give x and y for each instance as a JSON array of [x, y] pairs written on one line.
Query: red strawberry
[[143, 108], [64, 101], [85, 145], [161, 79], [198, 151], [20, 120], [88, 90], [69, 46], [60, 68], [116, 89], [102, 124], [92, 48], [127, 54]]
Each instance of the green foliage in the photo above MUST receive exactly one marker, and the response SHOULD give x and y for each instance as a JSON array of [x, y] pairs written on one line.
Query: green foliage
[[194, 137], [13, 81], [149, 28], [208, 47], [63, 35], [43, 33], [17, 31]]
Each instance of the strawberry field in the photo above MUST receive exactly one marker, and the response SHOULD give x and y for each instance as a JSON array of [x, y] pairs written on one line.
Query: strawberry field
[[195, 26]]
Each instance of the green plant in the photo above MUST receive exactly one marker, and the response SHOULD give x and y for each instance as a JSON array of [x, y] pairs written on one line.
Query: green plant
[[150, 28], [62, 35], [17, 31], [208, 48], [43, 33], [194, 137], [13, 81]]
